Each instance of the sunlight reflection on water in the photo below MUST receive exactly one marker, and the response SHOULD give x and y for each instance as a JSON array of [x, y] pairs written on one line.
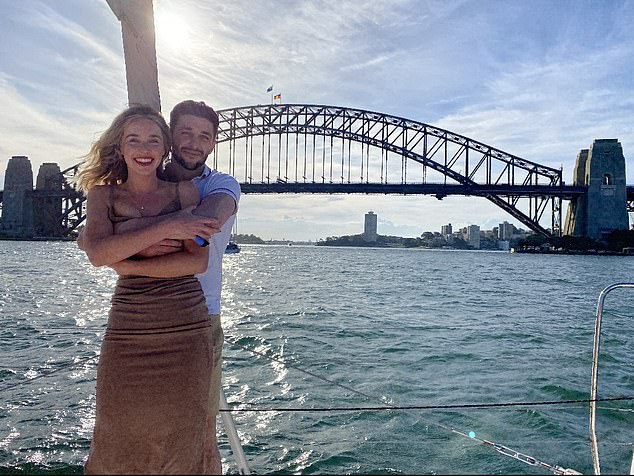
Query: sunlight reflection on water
[[404, 326]]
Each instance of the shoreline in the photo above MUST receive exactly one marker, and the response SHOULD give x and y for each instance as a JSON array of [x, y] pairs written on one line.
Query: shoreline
[[572, 252], [39, 238]]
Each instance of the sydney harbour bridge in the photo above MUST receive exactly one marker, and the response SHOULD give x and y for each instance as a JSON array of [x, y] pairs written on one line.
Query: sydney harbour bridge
[[318, 149]]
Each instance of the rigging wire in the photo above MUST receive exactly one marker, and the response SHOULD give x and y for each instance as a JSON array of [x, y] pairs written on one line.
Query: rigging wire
[[246, 407]]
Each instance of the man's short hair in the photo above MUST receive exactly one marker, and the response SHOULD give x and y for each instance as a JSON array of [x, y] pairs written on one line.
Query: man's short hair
[[194, 108]]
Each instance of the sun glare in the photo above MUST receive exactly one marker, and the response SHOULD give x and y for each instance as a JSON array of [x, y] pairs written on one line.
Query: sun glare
[[171, 30]]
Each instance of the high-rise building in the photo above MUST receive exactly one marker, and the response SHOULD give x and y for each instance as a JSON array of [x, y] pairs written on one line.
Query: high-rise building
[[473, 236], [445, 230], [505, 231], [369, 229]]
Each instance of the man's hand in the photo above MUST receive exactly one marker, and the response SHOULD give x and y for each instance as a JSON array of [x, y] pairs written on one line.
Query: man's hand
[[186, 226], [162, 248]]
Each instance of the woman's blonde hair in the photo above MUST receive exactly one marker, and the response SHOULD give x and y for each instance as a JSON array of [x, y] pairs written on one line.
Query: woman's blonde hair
[[104, 164]]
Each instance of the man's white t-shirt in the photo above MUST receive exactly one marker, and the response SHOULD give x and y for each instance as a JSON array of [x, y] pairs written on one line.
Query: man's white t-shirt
[[209, 183]]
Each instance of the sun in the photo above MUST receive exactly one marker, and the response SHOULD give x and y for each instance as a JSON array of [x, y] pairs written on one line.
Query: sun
[[171, 30]]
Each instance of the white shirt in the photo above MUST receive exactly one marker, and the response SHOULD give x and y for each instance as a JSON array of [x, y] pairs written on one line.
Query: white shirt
[[209, 183]]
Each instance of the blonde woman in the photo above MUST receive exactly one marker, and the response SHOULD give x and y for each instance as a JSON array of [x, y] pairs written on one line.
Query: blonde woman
[[154, 369]]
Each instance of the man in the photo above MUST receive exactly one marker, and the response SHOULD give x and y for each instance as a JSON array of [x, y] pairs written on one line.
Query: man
[[194, 129]]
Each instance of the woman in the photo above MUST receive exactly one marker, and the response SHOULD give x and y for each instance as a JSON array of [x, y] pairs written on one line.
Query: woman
[[154, 367]]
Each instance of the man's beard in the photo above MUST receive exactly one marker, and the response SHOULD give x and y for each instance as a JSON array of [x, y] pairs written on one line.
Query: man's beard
[[179, 160]]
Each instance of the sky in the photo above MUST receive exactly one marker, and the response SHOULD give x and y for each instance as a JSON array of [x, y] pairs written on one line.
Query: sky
[[538, 79]]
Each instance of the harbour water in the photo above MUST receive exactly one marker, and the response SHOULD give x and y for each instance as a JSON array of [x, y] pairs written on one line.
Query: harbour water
[[323, 330]]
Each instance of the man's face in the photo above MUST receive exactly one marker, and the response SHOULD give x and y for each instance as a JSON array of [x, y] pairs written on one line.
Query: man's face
[[193, 139]]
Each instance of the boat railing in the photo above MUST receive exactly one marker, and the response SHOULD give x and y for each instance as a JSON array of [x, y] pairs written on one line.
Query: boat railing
[[595, 375], [232, 435]]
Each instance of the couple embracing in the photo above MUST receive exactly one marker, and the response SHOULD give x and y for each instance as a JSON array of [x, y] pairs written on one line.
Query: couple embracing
[[159, 371]]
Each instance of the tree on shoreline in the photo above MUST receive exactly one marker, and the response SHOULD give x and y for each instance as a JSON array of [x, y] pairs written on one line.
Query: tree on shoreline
[[615, 241], [247, 239]]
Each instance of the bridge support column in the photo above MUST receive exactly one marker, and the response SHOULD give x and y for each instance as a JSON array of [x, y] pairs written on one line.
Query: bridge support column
[[17, 204], [603, 208], [47, 208]]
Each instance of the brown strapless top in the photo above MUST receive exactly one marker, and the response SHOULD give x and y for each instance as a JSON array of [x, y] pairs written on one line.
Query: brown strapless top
[[174, 204]]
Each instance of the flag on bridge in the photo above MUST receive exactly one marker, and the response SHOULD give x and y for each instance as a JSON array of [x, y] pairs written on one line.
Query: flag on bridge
[[277, 96], [269, 89]]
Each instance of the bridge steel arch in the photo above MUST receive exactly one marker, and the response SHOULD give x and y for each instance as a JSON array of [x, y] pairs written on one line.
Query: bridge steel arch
[[304, 148], [308, 148]]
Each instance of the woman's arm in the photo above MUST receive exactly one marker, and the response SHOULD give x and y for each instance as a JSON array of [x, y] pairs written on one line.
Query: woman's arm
[[104, 247], [192, 260]]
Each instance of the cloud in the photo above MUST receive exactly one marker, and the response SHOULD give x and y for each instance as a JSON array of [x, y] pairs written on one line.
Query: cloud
[[32, 129], [539, 111]]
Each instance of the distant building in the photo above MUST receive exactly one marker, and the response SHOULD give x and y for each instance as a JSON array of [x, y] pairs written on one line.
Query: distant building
[[505, 231], [445, 230], [369, 229], [473, 236]]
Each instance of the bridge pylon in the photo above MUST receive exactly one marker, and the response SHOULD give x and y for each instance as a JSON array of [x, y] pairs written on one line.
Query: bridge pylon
[[40, 212], [603, 208]]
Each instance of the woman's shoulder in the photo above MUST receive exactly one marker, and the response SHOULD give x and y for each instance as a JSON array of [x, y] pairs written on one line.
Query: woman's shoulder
[[100, 191]]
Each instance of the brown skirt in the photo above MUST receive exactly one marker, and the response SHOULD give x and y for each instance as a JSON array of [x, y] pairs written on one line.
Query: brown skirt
[[153, 380]]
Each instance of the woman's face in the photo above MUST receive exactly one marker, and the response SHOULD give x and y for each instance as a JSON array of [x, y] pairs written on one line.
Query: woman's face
[[142, 146]]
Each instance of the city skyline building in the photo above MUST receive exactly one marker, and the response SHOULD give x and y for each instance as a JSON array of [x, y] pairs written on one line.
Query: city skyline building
[[473, 236], [370, 227], [505, 231]]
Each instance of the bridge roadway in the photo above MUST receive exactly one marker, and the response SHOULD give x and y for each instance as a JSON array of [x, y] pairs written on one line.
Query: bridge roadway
[[440, 190]]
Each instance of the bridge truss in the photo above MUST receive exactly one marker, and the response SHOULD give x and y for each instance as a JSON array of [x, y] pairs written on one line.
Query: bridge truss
[[302, 148]]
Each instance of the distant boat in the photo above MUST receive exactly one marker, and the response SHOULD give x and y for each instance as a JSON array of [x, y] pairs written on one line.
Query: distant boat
[[232, 247]]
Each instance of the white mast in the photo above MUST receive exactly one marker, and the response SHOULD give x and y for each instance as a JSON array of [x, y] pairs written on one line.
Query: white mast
[[139, 49]]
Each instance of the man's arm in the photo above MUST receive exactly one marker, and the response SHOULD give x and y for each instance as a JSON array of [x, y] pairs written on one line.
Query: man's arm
[[219, 206], [219, 193]]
